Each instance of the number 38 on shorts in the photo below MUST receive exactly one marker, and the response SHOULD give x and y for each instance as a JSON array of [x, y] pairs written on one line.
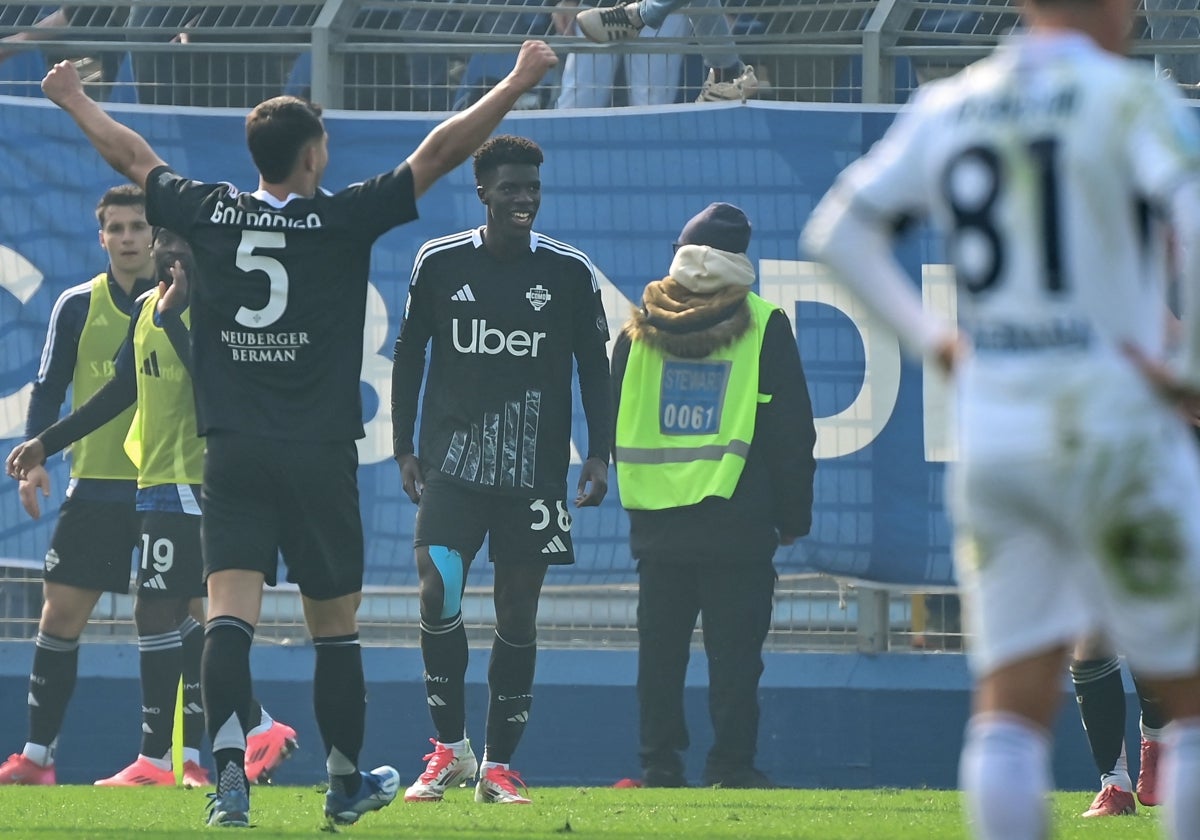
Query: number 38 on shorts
[[549, 534]]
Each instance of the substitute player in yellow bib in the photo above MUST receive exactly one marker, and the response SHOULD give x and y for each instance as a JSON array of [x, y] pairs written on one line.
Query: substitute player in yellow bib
[[91, 549], [152, 371]]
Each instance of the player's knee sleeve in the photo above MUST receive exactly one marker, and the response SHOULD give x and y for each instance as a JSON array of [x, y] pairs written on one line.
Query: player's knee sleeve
[[449, 564]]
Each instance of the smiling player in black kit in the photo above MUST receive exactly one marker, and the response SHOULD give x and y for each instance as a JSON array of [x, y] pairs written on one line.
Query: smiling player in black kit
[[277, 321], [507, 311]]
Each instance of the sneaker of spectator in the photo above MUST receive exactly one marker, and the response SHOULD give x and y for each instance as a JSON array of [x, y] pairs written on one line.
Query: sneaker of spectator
[[729, 85], [616, 23]]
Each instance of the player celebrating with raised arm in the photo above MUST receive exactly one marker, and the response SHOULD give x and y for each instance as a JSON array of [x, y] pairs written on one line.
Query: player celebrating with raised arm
[[1074, 497], [507, 310], [278, 311]]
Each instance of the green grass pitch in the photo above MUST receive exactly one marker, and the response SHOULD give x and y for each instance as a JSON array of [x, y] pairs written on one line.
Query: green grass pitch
[[558, 813]]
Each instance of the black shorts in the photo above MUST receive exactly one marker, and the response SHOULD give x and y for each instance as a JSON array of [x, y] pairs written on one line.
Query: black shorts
[[263, 497], [171, 564], [93, 543], [521, 530]]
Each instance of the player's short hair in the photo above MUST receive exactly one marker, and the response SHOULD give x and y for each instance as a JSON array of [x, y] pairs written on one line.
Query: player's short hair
[[276, 131], [125, 195], [506, 148], [167, 238]]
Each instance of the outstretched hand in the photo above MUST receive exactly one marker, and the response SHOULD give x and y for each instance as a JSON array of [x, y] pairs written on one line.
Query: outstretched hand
[[533, 61], [593, 483], [35, 479], [62, 83], [25, 457], [175, 296]]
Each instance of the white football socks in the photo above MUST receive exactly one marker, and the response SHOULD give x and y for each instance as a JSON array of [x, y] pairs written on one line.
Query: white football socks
[[1004, 774], [1179, 779]]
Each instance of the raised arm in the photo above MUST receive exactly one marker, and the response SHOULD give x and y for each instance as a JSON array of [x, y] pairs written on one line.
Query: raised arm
[[123, 148], [455, 139]]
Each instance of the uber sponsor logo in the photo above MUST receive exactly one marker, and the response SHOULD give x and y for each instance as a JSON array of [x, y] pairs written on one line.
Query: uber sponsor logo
[[475, 336]]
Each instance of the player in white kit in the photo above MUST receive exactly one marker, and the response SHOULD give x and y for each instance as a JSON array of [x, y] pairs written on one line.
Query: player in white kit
[[1053, 166]]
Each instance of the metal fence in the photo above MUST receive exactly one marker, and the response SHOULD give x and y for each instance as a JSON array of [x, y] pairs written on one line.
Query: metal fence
[[439, 54], [811, 612]]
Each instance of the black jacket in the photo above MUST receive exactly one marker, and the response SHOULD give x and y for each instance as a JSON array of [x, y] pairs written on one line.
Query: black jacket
[[775, 493]]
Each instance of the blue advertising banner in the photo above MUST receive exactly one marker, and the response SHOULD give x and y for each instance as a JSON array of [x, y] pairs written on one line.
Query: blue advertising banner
[[617, 184]]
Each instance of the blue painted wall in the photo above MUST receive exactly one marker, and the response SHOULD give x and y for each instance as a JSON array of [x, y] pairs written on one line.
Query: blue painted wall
[[828, 720]]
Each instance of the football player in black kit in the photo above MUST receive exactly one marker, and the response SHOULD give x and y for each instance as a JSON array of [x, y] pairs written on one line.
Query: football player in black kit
[[277, 322], [508, 312]]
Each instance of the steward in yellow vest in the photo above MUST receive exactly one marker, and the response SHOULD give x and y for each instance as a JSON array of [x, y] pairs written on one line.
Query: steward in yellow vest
[[714, 462]]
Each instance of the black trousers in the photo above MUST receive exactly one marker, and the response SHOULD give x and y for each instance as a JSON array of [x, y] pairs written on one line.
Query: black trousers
[[734, 603]]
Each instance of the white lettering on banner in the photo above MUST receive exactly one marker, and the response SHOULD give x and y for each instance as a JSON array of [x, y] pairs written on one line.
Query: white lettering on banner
[[940, 293], [20, 278], [376, 374], [787, 282], [784, 282]]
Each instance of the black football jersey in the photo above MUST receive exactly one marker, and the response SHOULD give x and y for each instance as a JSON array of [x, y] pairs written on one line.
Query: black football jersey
[[279, 305], [504, 335]]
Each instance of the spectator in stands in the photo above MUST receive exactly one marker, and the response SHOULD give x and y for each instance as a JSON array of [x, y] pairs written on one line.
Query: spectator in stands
[[589, 78], [714, 457], [1177, 20], [239, 78], [97, 530], [527, 18], [1074, 495], [414, 81], [280, 460], [727, 79], [152, 372], [1100, 693], [41, 21], [161, 76], [508, 312]]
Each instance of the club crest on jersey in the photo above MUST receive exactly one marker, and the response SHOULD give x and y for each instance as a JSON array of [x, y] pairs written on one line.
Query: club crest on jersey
[[538, 296]]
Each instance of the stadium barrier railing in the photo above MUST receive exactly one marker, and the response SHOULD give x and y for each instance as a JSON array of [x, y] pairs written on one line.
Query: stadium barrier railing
[[433, 54], [812, 613]]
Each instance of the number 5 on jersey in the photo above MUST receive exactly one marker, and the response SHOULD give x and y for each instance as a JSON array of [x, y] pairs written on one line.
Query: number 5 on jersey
[[248, 261]]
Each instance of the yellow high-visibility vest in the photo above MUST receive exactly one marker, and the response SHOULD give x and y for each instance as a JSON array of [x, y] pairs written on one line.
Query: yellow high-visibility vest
[[684, 426]]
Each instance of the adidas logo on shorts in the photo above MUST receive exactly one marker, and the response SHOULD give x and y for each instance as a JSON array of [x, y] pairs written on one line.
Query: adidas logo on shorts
[[555, 546], [155, 582]]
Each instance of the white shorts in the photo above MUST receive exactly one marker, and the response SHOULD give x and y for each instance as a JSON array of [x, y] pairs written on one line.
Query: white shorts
[[1102, 535]]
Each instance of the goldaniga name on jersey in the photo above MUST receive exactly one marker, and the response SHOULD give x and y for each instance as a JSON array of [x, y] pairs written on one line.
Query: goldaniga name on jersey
[[226, 214], [265, 346], [1006, 337]]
